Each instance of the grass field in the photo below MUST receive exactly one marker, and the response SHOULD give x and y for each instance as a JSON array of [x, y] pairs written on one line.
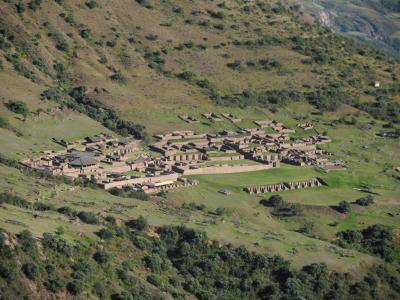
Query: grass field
[[35, 134], [245, 221]]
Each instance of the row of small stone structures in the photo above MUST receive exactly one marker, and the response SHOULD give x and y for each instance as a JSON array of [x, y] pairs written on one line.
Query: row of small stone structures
[[285, 186], [171, 186]]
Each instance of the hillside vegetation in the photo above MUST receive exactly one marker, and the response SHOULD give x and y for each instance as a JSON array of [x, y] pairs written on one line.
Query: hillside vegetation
[[151, 60], [70, 69]]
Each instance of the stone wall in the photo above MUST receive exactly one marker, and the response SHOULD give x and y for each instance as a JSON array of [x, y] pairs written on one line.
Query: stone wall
[[228, 169], [185, 157], [284, 186], [225, 158], [167, 187], [118, 169], [141, 180]]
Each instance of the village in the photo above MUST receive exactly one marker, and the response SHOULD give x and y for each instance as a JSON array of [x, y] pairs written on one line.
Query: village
[[166, 164]]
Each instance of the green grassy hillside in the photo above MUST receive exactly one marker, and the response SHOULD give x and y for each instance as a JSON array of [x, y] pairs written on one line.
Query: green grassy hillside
[[156, 59], [69, 69]]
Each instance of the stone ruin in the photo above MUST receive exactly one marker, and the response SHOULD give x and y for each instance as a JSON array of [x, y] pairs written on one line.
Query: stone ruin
[[188, 119], [284, 186], [231, 117], [212, 117], [156, 188], [305, 126]]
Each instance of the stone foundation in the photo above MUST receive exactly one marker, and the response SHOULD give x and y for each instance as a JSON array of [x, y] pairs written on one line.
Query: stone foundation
[[168, 187], [284, 186]]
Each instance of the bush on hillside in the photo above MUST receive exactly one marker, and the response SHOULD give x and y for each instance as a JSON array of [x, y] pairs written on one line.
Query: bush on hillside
[[18, 107], [14, 200], [88, 217], [375, 239], [138, 224], [118, 77], [101, 257], [91, 4], [31, 270], [35, 4], [274, 201], [365, 201], [344, 207]]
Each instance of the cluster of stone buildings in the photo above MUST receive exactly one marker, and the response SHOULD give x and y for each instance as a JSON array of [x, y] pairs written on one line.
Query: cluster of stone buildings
[[112, 163], [85, 157]]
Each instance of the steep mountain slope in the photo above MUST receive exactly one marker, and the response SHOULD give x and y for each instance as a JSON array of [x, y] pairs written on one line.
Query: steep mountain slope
[[177, 55], [374, 22]]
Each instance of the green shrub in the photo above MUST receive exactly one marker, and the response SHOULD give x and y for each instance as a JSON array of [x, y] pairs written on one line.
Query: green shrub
[[153, 262], [193, 206], [187, 75], [154, 280], [138, 224], [365, 201], [306, 228], [128, 192], [57, 244], [20, 6], [7, 271], [31, 270], [62, 46], [5, 250], [56, 94], [35, 4], [75, 287], [178, 10], [18, 107], [56, 285], [344, 207], [204, 83], [286, 210], [375, 239], [68, 211], [235, 65], [103, 60], [91, 4], [111, 44], [220, 211], [216, 14], [101, 257], [60, 70], [105, 233], [14, 200], [275, 201], [40, 206], [20, 68], [118, 77], [125, 295], [152, 37], [88, 217], [27, 243], [85, 33]]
